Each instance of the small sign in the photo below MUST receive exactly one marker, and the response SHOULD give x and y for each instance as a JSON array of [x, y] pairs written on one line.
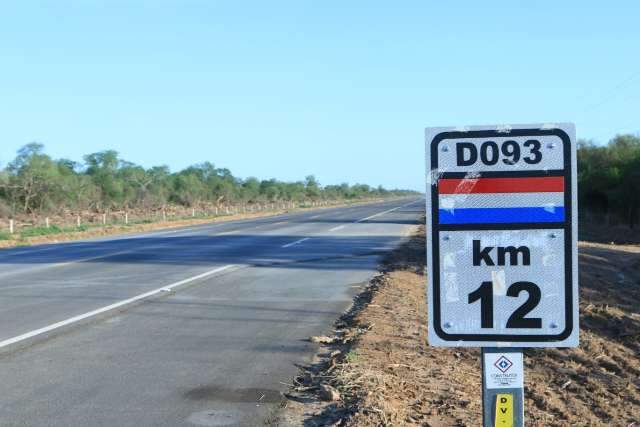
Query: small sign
[[503, 370], [504, 410], [501, 236]]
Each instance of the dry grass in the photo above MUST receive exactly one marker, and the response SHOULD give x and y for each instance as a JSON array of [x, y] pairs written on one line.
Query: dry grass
[[120, 229], [388, 375], [12, 240]]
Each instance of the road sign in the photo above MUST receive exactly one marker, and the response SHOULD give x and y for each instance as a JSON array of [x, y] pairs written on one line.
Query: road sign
[[501, 237], [502, 387]]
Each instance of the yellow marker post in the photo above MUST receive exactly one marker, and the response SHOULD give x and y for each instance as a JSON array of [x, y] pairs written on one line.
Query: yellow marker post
[[504, 410], [502, 387]]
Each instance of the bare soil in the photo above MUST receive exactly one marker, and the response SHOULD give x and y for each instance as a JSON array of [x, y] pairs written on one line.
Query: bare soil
[[158, 224], [120, 229], [387, 375]]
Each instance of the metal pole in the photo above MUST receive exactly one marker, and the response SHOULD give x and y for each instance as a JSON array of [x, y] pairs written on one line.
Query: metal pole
[[502, 387]]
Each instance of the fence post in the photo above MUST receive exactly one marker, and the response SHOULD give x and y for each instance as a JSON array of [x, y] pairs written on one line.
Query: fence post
[[193, 212], [104, 219], [126, 218], [46, 222], [78, 221], [11, 226]]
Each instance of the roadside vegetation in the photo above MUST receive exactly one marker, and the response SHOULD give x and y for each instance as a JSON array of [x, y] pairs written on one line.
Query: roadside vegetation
[[40, 195], [377, 368], [609, 181], [35, 183]]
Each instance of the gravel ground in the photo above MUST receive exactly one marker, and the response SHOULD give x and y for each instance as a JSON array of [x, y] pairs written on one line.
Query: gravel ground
[[386, 374]]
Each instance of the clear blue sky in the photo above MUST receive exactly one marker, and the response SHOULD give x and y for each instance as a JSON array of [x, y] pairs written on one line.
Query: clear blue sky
[[342, 90]]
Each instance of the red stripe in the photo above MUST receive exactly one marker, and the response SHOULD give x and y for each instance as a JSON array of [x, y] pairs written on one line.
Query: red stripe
[[551, 184]]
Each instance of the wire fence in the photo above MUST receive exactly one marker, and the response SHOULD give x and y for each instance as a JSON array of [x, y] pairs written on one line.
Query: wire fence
[[77, 221]]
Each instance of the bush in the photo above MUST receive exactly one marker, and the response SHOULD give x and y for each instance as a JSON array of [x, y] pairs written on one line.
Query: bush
[[40, 231], [35, 183]]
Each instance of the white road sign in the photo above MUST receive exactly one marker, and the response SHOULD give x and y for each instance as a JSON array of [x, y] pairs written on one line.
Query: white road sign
[[501, 236], [504, 370]]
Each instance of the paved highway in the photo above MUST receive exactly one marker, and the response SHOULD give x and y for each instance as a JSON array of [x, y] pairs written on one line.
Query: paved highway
[[200, 325]]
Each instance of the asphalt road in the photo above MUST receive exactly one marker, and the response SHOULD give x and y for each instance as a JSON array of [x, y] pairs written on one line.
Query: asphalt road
[[202, 325]]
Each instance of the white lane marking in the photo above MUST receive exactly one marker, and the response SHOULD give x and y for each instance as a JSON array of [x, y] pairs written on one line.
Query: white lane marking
[[155, 233], [95, 257], [92, 258], [224, 233], [28, 251], [62, 264], [296, 242], [74, 261], [340, 227], [74, 319], [387, 211], [78, 243]]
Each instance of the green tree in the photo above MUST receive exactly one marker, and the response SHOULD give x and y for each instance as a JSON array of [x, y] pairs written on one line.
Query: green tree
[[34, 182], [32, 176], [102, 167]]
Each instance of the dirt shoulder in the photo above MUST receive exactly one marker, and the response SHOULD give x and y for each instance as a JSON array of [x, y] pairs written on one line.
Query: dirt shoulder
[[110, 230], [385, 374]]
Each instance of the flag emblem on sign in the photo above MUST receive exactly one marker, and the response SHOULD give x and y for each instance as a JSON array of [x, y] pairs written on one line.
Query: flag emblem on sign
[[501, 200]]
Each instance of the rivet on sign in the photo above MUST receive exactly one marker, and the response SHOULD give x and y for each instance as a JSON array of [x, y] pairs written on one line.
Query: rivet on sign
[[553, 235], [445, 237], [551, 145], [445, 148], [553, 325], [448, 325]]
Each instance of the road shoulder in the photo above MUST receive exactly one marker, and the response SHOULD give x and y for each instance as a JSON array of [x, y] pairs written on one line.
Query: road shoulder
[[377, 369]]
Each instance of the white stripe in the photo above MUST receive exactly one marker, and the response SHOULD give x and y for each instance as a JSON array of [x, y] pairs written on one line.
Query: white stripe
[[296, 242], [387, 211], [340, 227], [74, 261], [119, 304], [500, 200]]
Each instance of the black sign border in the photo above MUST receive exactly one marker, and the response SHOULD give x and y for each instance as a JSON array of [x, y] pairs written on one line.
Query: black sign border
[[566, 172]]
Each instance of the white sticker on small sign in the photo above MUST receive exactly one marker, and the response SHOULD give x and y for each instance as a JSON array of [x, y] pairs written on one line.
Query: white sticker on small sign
[[503, 370], [501, 241]]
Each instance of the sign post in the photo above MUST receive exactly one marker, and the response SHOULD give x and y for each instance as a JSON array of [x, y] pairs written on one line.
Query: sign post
[[502, 387], [502, 249]]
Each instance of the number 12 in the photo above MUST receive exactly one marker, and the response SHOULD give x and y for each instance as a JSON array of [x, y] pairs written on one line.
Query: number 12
[[517, 320]]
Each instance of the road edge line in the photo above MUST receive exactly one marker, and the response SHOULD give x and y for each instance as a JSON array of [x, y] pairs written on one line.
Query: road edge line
[[89, 314]]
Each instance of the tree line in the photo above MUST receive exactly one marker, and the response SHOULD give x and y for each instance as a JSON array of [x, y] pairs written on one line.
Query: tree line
[[609, 180], [35, 183]]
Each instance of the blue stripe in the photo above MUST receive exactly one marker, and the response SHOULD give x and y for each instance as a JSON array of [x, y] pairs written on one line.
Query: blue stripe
[[500, 215]]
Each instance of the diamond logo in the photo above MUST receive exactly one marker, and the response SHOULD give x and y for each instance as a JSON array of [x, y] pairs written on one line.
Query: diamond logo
[[503, 364]]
